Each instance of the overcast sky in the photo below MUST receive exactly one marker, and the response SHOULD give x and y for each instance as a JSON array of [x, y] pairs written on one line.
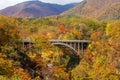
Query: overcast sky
[[6, 3]]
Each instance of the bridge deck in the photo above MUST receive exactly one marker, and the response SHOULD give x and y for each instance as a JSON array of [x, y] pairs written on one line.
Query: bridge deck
[[77, 41]]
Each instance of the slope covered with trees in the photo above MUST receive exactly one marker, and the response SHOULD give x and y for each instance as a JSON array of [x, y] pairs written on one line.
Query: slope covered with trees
[[100, 9], [33, 9], [112, 13], [44, 61]]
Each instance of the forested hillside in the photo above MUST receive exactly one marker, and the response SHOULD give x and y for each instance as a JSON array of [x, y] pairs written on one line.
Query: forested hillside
[[33, 9], [104, 10], [100, 61], [112, 13]]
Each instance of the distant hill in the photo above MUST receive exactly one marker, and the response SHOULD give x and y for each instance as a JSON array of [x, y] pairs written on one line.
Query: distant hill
[[112, 13], [32, 9], [100, 9]]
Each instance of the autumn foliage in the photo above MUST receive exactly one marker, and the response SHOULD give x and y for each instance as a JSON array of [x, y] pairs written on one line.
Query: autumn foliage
[[43, 61]]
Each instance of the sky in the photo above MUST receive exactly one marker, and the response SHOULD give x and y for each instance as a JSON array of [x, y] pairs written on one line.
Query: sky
[[6, 3]]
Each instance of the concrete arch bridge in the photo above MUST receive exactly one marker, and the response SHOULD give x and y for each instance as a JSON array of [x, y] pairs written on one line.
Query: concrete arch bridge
[[73, 48]]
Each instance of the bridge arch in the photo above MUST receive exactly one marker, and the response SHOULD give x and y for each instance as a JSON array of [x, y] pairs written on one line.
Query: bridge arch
[[67, 48], [73, 54]]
